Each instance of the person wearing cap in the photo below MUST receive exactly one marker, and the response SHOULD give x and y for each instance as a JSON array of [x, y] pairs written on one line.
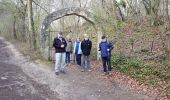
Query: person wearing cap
[[60, 45], [105, 48], [86, 46]]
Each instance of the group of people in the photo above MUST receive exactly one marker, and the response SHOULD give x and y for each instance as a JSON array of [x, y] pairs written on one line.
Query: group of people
[[82, 49]]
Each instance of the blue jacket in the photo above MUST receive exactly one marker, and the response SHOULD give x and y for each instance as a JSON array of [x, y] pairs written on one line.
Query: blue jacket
[[79, 49], [103, 47], [110, 46]]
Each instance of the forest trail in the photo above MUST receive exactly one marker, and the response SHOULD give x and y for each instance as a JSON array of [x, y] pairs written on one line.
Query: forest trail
[[36, 81]]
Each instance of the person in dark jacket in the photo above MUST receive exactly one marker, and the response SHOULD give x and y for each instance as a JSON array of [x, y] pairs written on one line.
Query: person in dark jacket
[[105, 48], [60, 45], [68, 49], [86, 46]]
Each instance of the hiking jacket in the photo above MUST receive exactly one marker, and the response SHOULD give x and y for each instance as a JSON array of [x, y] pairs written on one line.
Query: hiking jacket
[[79, 48], [69, 46], [103, 46], [110, 47], [86, 46], [57, 45]]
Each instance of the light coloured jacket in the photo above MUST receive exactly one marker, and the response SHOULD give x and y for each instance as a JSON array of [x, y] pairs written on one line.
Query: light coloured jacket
[[79, 50], [69, 46]]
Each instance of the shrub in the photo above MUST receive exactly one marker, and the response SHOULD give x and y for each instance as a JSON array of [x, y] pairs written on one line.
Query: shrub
[[144, 50], [118, 59], [135, 63], [122, 62]]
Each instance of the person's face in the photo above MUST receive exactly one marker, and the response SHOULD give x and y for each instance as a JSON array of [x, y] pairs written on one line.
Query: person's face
[[86, 38], [59, 35], [78, 39], [104, 40]]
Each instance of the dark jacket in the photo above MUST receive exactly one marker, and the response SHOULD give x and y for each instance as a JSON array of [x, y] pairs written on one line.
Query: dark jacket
[[103, 46], [57, 45], [86, 46], [110, 46]]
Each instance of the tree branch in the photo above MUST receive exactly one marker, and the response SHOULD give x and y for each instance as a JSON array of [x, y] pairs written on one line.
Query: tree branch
[[40, 6]]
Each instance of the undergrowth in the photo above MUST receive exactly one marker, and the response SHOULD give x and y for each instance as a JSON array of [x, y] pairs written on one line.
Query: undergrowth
[[147, 72]]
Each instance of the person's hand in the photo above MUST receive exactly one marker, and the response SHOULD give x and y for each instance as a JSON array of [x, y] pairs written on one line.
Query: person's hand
[[62, 46], [99, 53]]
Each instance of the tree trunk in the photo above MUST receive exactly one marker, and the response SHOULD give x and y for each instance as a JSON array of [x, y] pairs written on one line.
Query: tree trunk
[[121, 14], [152, 45], [147, 5], [14, 29], [31, 26], [168, 48], [23, 29], [23, 17], [62, 20], [98, 42], [167, 8], [167, 38], [168, 35]]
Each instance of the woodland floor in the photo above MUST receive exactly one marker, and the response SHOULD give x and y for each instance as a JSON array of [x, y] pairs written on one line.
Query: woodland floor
[[23, 79]]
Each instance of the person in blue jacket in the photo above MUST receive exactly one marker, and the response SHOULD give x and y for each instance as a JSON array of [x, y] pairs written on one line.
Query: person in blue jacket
[[77, 51], [106, 47]]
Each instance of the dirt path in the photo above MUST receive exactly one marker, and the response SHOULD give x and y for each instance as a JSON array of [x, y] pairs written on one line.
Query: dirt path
[[74, 85], [15, 84]]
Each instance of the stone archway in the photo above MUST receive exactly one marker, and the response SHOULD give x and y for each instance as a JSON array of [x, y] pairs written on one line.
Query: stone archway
[[60, 14]]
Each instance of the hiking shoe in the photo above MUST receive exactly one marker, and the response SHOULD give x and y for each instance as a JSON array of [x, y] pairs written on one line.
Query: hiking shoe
[[105, 73], [63, 72], [56, 73], [68, 64], [110, 73], [89, 70], [82, 70]]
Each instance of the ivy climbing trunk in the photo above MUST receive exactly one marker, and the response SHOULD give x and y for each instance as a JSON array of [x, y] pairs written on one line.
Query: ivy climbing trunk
[[32, 33]]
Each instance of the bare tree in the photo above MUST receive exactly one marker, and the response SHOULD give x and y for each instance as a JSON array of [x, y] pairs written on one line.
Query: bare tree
[[31, 25]]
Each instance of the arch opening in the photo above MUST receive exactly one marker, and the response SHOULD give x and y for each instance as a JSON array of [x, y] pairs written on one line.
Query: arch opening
[[81, 12]]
